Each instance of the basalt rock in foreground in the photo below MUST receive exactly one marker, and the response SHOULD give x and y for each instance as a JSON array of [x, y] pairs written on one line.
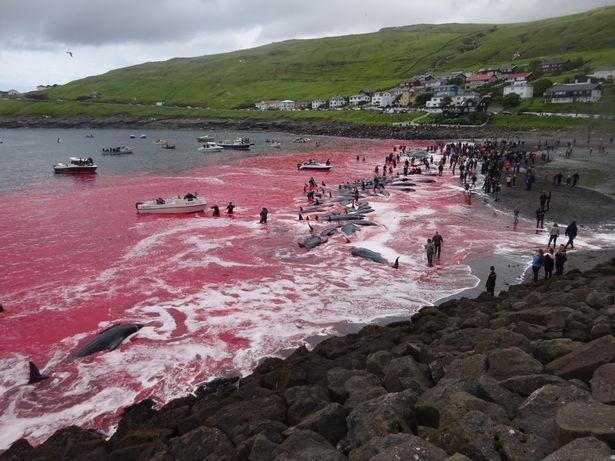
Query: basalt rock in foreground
[[525, 376]]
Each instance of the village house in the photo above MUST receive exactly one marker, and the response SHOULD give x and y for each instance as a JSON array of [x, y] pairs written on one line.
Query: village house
[[158, 103], [478, 80], [521, 77], [498, 70], [267, 105], [434, 83], [523, 89], [286, 105], [337, 102], [446, 90], [359, 98], [382, 99], [553, 66], [319, 104], [417, 80], [4, 94], [303, 105], [13, 93], [605, 73], [396, 92], [574, 92]]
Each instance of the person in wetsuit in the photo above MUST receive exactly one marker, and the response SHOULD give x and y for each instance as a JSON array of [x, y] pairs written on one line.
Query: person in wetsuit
[[230, 207], [216, 211], [263, 215]]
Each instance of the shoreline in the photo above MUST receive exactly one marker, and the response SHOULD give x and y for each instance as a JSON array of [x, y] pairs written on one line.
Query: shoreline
[[311, 127]]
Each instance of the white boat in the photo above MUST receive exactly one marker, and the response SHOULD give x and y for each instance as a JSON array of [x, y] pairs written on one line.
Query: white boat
[[205, 138], [76, 166], [143, 136], [210, 147], [119, 150], [173, 205], [275, 144], [314, 166], [239, 143], [301, 140], [132, 136]]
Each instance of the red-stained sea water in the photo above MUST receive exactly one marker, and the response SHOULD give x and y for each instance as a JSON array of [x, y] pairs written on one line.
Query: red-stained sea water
[[215, 294]]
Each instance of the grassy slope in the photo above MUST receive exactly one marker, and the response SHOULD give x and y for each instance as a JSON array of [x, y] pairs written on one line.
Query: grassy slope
[[319, 68]]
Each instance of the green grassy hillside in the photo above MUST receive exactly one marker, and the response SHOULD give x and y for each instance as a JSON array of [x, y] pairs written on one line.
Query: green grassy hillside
[[320, 68]]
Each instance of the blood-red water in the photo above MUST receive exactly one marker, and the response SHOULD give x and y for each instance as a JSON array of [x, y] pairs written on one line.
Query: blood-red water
[[216, 294]]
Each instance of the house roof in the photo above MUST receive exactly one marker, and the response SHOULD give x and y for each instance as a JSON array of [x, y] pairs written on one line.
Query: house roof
[[480, 78], [576, 87], [519, 75]]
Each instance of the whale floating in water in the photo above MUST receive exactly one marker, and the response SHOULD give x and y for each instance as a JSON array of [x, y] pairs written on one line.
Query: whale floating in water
[[372, 256]]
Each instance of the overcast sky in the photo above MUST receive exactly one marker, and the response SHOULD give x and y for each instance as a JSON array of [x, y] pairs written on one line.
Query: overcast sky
[[106, 34]]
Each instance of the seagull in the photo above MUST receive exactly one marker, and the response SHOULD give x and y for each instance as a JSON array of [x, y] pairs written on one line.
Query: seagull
[[70, 53]]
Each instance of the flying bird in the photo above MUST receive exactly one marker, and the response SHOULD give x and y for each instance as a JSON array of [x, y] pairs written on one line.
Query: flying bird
[[70, 53]]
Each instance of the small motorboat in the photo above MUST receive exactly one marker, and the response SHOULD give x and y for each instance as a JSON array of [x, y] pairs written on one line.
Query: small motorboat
[[301, 140], [210, 147], [314, 166], [160, 141], [132, 136], [205, 138], [275, 144], [239, 143], [143, 136], [119, 150], [77, 165], [168, 146], [174, 205]]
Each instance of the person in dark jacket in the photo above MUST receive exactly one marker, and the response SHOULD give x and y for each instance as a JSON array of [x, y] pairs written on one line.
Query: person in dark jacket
[[548, 263], [560, 259], [540, 218], [490, 285], [263, 214], [230, 207], [216, 211], [437, 244], [537, 261], [571, 233]]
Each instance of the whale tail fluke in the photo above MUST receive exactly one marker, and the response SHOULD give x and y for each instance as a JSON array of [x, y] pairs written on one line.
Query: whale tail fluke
[[35, 375], [396, 263]]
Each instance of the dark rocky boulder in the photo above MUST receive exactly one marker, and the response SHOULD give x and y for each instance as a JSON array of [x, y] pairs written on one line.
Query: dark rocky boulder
[[414, 448], [510, 362], [330, 422], [303, 400], [603, 383], [306, 446], [580, 419], [585, 448], [582, 362]]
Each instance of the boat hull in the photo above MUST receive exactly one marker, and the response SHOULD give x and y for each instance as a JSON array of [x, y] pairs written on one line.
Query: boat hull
[[235, 146], [315, 168], [75, 170], [171, 207]]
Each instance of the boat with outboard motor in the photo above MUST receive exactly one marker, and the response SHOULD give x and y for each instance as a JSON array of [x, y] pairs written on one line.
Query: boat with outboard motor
[[119, 150], [77, 165], [313, 165], [239, 143], [210, 147], [168, 146], [191, 203]]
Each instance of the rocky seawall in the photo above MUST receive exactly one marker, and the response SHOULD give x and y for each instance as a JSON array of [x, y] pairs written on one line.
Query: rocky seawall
[[527, 375], [313, 127]]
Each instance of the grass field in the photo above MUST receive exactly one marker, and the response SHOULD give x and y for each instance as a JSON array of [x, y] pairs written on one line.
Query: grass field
[[321, 68]]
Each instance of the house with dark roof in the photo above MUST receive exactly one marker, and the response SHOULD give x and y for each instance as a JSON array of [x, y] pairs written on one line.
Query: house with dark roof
[[574, 92]]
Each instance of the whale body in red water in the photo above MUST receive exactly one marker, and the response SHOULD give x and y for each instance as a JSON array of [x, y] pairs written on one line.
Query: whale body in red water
[[108, 339]]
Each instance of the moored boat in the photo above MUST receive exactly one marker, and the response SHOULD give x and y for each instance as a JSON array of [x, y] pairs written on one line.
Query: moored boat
[[119, 150], [160, 141], [132, 136], [168, 146], [275, 144], [143, 136], [205, 138], [312, 165], [210, 147], [239, 143], [173, 205], [76, 166]]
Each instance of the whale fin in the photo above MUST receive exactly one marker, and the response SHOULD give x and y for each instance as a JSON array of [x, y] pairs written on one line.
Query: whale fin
[[396, 263], [35, 375]]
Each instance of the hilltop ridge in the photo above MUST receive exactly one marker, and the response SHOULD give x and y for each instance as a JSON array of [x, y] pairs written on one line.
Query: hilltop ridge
[[316, 68]]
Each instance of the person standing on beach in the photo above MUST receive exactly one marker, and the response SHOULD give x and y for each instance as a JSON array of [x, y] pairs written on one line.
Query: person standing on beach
[[429, 250], [537, 264], [540, 218], [490, 285], [437, 243], [516, 212], [560, 259], [549, 261], [571, 233], [553, 234], [575, 178], [543, 200]]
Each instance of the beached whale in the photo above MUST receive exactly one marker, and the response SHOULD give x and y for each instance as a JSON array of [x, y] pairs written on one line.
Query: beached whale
[[312, 242], [349, 229], [372, 256], [328, 232], [108, 339]]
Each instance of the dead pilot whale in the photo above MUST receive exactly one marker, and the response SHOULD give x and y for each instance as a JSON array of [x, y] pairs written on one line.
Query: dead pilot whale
[[372, 256], [108, 339]]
